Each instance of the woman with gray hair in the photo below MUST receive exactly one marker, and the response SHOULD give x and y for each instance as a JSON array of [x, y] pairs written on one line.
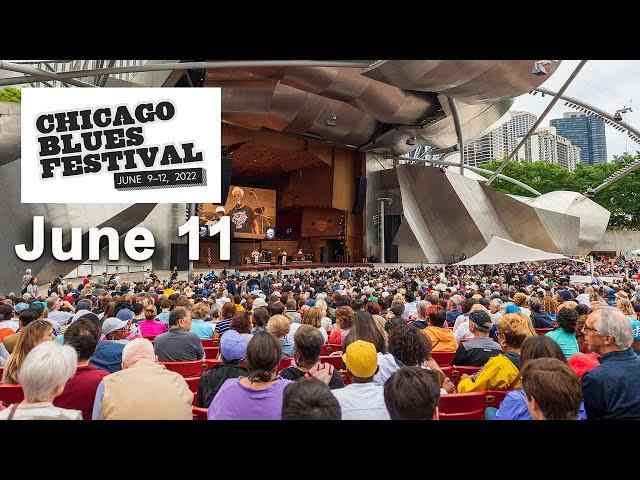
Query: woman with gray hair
[[43, 375]]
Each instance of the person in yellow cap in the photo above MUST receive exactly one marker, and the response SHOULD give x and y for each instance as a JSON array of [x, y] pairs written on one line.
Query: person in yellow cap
[[362, 399]]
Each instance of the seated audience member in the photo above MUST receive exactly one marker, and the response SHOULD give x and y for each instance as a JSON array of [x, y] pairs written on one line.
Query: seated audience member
[[26, 317], [410, 348], [362, 399], [226, 314], [514, 405], [539, 317], [455, 310], [552, 389], [143, 389], [292, 311], [412, 393], [200, 313], [259, 395], [308, 343], [461, 325], [151, 326], [502, 372], [611, 390], [344, 320], [80, 391], [366, 328], [421, 322], [312, 317], [233, 350], [166, 305], [564, 335], [261, 317], [395, 312], [43, 376], [242, 323], [442, 339], [477, 351], [7, 320], [55, 313], [179, 344], [308, 399], [278, 326], [32, 335], [108, 354]]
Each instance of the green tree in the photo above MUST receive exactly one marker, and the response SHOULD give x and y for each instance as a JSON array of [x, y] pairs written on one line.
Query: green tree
[[622, 198], [11, 94]]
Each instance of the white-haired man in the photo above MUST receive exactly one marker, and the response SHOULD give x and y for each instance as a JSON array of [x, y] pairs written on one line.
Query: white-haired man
[[143, 389], [243, 219], [611, 390]]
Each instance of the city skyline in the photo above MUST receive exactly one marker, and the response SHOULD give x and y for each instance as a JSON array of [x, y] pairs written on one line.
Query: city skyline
[[608, 84]]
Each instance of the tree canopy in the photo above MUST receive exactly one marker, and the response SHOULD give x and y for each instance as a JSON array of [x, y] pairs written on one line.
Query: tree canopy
[[11, 94], [622, 198]]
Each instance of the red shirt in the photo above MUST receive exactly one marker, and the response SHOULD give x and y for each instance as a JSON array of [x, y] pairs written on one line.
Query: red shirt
[[80, 391]]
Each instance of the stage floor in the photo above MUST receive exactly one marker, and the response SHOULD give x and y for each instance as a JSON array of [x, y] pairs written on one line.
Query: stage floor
[[289, 266]]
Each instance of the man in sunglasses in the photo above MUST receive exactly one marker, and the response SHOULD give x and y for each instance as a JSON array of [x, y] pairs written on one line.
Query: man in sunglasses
[[611, 390]]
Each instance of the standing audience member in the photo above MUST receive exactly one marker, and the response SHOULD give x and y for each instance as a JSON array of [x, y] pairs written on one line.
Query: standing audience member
[[611, 390], [80, 391], [143, 389], [43, 376], [258, 396]]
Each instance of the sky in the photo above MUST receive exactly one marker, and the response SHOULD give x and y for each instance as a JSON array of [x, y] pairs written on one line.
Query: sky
[[607, 84]]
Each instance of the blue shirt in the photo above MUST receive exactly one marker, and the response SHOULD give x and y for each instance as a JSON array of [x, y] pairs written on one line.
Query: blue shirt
[[163, 317], [612, 390], [201, 328], [97, 403], [514, 407], [565, 340], [108, 355], [287, 347]]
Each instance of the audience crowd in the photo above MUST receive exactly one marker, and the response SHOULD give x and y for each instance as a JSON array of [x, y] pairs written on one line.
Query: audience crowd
[[351, 343]]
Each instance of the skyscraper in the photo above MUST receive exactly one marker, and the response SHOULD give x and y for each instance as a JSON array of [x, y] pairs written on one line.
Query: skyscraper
[[586, 132], [500, 141], [546, 145]]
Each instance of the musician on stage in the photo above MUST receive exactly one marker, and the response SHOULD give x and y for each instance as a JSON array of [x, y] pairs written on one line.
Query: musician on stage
[[255, 255], [242, 217], [284, 257]]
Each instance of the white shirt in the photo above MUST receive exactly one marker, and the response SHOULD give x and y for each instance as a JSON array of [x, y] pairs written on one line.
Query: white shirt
[[12, 324], [362, 401], [294, 328], [495, 317], [462, 331], [61, 317], [387, 366], [410, 309], [584, 299]]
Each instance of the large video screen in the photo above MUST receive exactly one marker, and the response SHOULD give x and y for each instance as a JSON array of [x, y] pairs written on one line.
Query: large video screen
[[252, 212]]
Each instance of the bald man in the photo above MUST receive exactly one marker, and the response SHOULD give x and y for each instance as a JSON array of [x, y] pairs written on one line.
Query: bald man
[[143, 389]]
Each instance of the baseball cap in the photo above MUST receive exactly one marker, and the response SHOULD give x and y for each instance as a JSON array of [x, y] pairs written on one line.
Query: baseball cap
[[481, 318], [361, 359], [259, 302], [125, 314], [112, 324], [233, 346], [20, 307]]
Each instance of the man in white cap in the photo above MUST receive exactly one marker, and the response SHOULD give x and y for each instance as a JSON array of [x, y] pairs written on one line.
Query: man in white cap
[[108, 355]]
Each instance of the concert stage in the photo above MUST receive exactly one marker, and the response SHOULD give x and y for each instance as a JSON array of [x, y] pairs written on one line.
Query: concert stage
[[289, 266]]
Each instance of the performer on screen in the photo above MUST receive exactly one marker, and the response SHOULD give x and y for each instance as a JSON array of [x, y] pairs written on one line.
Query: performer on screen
[[242, 217]]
